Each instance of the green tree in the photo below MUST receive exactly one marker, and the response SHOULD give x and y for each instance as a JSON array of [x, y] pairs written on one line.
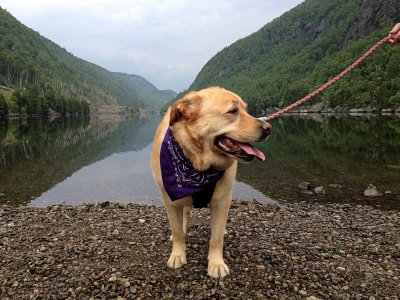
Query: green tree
[[395, 100], [33, 101], [3, 107], [19, 98]]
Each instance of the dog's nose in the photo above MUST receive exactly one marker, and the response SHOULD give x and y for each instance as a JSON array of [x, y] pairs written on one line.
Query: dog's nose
[[266, 127]]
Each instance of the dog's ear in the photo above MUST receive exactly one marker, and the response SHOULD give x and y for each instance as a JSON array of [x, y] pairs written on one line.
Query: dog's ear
[[185, 108]]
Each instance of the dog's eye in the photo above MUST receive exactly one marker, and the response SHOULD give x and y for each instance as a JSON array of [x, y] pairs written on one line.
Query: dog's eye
[[233, 111]]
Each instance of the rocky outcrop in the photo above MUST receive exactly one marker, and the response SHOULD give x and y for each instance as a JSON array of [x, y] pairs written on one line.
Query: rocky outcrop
[[316, 108], [372, 15]]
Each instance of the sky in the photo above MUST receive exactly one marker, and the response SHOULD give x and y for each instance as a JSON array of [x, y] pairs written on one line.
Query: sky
[[165, 41]]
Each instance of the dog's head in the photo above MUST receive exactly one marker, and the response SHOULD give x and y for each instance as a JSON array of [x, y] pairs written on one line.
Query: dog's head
[[214, 128]]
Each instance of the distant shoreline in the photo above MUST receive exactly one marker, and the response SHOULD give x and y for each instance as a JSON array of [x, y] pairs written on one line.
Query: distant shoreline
[[338, 111], [110, 110], [95, 112]]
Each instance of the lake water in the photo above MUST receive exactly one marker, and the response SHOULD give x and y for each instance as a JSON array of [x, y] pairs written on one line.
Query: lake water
[[77, 161]]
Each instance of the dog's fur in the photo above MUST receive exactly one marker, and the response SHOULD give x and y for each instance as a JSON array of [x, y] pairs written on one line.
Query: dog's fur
[[196, 120]]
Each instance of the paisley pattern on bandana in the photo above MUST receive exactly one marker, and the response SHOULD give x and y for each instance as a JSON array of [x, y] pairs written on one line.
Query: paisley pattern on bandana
[[179, 176]]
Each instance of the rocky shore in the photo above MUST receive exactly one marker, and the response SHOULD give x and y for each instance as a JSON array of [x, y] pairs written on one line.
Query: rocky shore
[[111, 251], [320, 108]]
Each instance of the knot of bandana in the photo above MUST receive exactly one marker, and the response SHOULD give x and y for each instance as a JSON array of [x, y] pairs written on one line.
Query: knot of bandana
[[181, 179]]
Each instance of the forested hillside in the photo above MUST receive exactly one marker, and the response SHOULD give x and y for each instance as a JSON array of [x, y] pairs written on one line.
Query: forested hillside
[[302, 49], [47, 76], [147, 92]]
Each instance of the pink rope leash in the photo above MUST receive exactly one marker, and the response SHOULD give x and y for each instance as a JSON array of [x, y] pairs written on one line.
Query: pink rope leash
[[328, 84]]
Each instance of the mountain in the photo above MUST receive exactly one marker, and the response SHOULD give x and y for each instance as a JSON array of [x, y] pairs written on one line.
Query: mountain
[[50, 73], [146, 91], [302, 49]]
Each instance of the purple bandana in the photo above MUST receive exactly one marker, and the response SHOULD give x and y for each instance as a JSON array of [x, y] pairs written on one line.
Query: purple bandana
[[179, 176]]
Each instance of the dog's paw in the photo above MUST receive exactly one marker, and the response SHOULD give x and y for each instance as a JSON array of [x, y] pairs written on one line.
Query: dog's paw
[[217, 269], [176, 261]]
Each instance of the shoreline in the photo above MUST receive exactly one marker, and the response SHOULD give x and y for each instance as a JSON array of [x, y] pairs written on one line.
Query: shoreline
[[112, 111], [354, 113], [302, 251], [339, 111]]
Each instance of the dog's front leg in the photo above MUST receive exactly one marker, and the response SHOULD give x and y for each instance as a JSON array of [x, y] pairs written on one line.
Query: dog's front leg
[[219, 208], [219, 215], [186, 215], [175, 217]]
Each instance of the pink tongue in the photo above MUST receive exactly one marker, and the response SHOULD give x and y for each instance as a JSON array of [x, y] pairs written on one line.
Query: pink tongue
[[251, 150]]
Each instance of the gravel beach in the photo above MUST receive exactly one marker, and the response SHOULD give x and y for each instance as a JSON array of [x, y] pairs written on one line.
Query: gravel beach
[[112, 251]]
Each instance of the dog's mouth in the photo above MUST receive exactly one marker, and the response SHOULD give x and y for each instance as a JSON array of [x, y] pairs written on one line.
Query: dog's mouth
[[243, 151]]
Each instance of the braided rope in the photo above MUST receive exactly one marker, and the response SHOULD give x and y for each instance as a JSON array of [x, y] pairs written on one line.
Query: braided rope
[[328, 84]]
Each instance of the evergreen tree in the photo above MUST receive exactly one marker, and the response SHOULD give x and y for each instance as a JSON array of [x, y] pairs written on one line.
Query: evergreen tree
[[3, 107], [19, 98]]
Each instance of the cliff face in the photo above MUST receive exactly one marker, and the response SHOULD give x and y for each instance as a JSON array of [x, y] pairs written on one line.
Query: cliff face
[[305, 47], [373, 15]]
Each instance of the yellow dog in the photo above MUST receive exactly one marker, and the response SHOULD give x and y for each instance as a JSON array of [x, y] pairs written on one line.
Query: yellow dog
[[195, 153]]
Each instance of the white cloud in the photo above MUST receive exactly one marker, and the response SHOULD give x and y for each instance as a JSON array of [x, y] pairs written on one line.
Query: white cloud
[[165, 41]]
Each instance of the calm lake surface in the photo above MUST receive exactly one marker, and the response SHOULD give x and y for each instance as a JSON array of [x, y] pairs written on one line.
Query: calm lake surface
[[77, 161]]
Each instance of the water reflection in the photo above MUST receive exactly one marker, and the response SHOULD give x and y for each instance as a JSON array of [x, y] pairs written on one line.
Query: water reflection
[[121, 177], [346, 153], [37, 154], [81, 161]]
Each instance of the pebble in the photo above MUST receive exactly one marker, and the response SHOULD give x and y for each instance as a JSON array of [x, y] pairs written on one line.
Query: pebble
[[301, 251], [320, 190], [303, 292], [335, 186], [372, 191], [340, 269]]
